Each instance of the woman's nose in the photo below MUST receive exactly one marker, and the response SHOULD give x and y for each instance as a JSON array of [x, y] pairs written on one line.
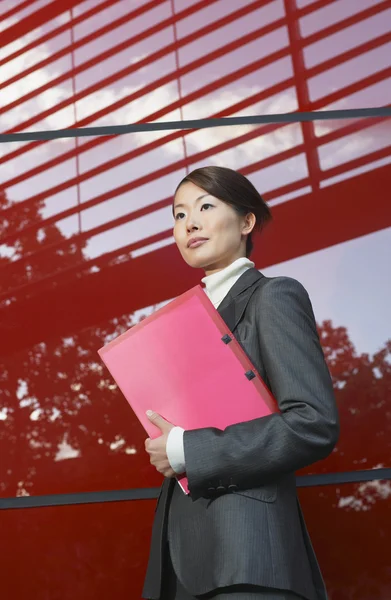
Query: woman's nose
[[191, 225]]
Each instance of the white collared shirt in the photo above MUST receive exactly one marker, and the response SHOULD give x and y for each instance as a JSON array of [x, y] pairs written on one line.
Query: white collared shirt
[[217, 287]]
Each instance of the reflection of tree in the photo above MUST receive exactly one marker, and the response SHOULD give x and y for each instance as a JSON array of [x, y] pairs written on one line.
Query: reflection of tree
[[25, 245], [349, 524], [362, 386], [59, 401]]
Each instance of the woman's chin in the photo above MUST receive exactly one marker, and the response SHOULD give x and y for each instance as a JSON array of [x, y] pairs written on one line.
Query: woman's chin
[[197, 262], [198, 258]]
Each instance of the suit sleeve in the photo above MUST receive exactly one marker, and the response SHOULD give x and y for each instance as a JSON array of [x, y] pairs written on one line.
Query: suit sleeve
[[306, 430]]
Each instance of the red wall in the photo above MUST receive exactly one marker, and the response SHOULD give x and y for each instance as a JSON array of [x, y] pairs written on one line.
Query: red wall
[[87, 250]]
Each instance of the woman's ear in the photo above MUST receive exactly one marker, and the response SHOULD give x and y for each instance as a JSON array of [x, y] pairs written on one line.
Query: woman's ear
[[249, 223]]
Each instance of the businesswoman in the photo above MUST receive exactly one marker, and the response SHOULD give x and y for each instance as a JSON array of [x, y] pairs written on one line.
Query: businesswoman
[[240, 534]]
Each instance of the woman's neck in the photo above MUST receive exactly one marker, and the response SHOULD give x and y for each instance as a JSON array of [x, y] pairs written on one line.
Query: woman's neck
[[216, 268], [218, 284]]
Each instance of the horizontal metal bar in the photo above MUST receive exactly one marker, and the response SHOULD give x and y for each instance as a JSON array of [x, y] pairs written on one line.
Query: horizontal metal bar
[[343, 477], [99, 169], [167, 108], [79, 498], [156, 115], [151, 493], [149, 59], [293, 117]]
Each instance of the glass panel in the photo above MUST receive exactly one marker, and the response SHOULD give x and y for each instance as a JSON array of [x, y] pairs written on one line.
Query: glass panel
[[86, 552], [341, 271], [301, 3], [38, 181], [130, 25], [17, 12], [333, 12], [125, 74], [84, 7], [35, 71], [122, 63], [230, 27], [89, 542], [245, 96], [349, 293], [136, 93], [350, 529], [356, 74], [240, 59], [83, 61], [63, 298], [346, 48]]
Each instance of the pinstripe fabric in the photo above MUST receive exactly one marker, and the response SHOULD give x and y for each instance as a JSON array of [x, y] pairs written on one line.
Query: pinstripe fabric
[[251, 530], [174, 590]]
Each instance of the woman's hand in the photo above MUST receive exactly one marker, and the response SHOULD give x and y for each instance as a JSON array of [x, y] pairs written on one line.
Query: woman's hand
[[157, 448]]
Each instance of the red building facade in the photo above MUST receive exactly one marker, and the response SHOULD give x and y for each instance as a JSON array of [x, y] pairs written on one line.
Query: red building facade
[[87, 250]]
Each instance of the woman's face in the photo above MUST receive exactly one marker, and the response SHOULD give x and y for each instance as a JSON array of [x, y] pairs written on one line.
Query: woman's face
[[209, 233]]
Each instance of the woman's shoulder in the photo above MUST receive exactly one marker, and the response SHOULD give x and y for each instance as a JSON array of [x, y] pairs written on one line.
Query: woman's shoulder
[[280, 294], [281, 285], [278, 297]]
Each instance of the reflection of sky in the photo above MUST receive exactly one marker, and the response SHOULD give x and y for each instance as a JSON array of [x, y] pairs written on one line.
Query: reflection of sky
[[350, 284], [245, 86]]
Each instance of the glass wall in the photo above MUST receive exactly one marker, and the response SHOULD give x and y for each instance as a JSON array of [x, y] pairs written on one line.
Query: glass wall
[[87, 248]]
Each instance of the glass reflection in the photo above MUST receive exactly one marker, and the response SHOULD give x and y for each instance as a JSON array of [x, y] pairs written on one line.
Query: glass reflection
[[86, 224], [86, 552], [349, 528]]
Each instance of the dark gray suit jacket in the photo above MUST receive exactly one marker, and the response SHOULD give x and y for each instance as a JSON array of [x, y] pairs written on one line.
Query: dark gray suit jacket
[[242, 522]]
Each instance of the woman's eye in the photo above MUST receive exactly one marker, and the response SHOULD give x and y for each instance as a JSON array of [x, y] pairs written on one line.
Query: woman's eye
[[206, 206], [179, 216]]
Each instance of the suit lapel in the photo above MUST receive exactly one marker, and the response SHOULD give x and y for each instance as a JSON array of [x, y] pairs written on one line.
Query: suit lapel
[[234, 304]]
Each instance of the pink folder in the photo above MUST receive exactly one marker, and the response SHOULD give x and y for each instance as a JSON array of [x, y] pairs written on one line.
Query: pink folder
[[185, 364]]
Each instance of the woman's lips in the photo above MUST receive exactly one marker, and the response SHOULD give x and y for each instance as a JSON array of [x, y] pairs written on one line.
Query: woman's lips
[[196, 243]]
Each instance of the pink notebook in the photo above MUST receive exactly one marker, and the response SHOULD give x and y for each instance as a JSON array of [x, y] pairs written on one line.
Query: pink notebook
[[185, 364]]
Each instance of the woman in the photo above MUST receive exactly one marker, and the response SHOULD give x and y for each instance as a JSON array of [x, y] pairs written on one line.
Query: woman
[[240, 534]]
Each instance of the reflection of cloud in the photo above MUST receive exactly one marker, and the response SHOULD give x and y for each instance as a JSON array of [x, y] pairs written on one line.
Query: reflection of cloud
[[258, 147], [135, 111], [354, 145], [66, 451], [367, 494], [23, 86], [136, 59], [139, 109], [238, 156]]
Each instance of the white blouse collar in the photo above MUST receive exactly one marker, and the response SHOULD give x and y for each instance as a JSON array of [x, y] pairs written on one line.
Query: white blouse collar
[[218, 284]]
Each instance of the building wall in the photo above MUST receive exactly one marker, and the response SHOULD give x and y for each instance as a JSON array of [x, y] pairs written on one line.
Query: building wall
[[87, 251]]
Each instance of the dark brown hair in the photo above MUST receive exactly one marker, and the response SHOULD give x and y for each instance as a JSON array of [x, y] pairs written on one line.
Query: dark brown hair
[[236, 190]]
